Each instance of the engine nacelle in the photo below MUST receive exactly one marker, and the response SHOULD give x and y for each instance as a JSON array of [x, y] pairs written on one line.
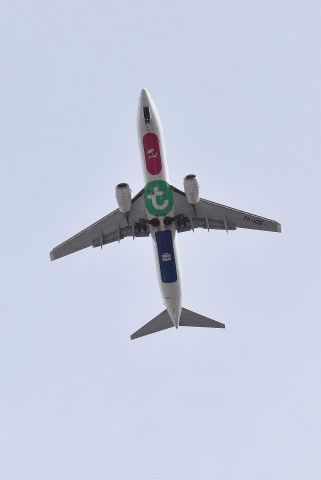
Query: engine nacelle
[[123, 197], [192, 189]]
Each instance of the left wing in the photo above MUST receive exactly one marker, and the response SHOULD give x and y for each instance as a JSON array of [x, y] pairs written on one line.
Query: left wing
[[211, 215], [111, 228]]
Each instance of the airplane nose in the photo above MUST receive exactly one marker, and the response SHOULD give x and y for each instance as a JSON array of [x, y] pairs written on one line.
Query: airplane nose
[[144, 96]]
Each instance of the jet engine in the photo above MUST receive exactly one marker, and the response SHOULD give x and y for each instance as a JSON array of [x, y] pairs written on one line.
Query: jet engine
[[123, 197], [192, 190]]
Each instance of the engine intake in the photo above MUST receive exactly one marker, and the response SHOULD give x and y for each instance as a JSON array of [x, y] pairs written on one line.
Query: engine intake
[[123, 197], [191, 188]]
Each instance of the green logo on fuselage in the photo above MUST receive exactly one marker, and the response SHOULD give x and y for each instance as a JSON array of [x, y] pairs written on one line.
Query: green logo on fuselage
[[158, 198]]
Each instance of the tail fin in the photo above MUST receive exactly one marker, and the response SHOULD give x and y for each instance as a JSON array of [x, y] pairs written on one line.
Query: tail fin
[[188, 319]]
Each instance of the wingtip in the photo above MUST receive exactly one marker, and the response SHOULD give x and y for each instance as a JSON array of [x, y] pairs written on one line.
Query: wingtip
[[278, 228], [52, 256]]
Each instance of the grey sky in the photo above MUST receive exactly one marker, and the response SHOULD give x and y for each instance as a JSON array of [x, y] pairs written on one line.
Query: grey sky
[[237, 85]]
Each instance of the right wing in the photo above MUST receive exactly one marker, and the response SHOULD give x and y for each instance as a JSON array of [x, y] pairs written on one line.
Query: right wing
[[111, 228], [211, 215]]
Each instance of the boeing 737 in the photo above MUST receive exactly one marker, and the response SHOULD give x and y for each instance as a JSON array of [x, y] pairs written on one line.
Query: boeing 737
[[161, 211]]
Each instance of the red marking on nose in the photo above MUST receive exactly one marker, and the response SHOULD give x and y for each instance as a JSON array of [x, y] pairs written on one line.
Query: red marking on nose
[[152, 154]]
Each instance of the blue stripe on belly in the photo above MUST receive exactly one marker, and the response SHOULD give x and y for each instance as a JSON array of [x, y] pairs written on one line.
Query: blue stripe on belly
[[164, 241]]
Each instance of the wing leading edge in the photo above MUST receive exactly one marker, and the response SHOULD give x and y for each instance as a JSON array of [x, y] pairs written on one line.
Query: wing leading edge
[[211, 215], [113, 227]]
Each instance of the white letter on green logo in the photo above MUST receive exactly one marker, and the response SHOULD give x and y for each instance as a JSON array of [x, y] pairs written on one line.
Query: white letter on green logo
[[158, 198]]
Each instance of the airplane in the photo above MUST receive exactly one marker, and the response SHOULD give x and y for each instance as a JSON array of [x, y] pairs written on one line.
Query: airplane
[[161, 210]]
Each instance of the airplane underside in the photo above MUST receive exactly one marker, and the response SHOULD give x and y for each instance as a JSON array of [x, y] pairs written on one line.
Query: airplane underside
[[162, 211]]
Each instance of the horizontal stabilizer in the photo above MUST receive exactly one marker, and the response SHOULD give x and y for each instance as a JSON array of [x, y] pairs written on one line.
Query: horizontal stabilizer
[[159, 323], [193, 319], [188, 319]]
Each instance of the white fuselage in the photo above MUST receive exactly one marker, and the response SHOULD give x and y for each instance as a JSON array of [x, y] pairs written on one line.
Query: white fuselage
[[159, 205]]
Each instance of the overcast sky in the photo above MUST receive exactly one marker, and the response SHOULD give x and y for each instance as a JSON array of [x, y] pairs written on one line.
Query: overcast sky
[[237, 86]]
